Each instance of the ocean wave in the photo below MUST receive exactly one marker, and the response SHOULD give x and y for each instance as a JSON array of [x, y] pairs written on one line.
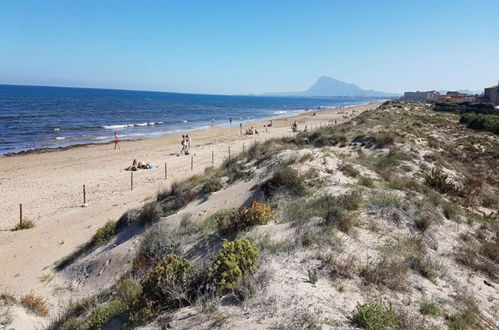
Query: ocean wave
[[57, 129], [141, 124], [281, 112], [60, 138], [115, 126]]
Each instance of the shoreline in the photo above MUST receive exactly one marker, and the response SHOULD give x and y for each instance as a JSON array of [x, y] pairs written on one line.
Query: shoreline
[[296, 113], [49, 186]]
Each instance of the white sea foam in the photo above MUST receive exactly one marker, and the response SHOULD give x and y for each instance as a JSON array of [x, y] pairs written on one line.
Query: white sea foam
[[115, 126], [279, 112], [57, 129], [141, 124], [184, 121], [60, 138]]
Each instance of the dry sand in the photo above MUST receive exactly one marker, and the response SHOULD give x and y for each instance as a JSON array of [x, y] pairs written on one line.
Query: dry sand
[[49, 185]]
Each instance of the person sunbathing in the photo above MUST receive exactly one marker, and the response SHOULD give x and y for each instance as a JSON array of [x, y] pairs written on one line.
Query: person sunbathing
[[133, 167]]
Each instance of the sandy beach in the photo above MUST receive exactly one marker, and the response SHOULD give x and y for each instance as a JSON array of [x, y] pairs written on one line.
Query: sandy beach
[[49, 185]]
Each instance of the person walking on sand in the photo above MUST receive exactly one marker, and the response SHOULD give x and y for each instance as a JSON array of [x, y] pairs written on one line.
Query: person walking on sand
[[187, 144], [116, 141], [182, 143], [241, 128], [230, 120]]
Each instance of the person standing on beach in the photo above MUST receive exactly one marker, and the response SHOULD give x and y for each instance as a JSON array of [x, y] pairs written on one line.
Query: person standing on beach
[[230, 120], [182, 143], [116, 141], [187, 144], [241, 128]]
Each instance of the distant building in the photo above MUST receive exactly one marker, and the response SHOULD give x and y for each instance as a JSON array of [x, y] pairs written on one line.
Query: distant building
[[492, 94], [422, 96], [457, 97]]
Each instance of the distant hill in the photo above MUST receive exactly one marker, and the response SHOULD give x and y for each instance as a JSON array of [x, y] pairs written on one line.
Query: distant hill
[[327, 86]]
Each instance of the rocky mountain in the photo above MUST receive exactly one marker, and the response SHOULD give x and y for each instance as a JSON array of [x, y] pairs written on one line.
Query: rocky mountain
[[327, 86]]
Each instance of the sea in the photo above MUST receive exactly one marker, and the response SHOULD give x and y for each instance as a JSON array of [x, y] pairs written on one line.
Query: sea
[[39, 117]]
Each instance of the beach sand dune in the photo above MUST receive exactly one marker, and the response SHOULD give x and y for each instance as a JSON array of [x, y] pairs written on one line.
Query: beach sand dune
[[49, 185]]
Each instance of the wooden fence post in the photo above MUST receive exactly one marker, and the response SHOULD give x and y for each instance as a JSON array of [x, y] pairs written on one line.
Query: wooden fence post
[[84, 196], [213, 156], [131, 181], [166, 171], [20, 215], [192, 163], [229, 152]]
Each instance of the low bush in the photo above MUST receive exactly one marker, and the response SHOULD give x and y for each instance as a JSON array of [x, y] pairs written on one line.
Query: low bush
[[340, 219], [256, 214], [375, 316], [319, 138], [482, 122], [235, 260], [439, 180], [167, 285], [351, 200], [451, 210], [211, 186], [307, 157], [390, 270], [160, 241], [151, 213], [25, 224], [384, 200], [284, 180], [349, 170], [423, 223], [36, 304], [104, 234], [467, 317], [429, 308], [366, 182], [179, 195]]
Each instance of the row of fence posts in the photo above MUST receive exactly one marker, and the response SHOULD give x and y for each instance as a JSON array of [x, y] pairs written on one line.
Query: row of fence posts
[[166, 176]]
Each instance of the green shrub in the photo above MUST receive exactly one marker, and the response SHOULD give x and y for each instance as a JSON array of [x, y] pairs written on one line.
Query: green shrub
[[255, 214], [102, 314], [286, 180], [104, 234], [159, 241], [429, 308], [235, 260], [374, 316], [483, 122], [350, 200], [366, 182], [211, 186], [168, 284]]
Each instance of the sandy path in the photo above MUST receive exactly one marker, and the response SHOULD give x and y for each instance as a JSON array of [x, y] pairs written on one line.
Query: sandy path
[[49, 185]]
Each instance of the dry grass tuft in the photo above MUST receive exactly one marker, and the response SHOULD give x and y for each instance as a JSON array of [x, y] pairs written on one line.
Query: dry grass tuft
[[36, 304]]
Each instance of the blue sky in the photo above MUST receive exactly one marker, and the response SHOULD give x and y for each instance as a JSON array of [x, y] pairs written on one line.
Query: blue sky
[[229, 47]]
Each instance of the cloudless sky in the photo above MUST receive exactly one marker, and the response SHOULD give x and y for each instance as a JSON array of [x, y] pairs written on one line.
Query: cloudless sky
[[227, 47]]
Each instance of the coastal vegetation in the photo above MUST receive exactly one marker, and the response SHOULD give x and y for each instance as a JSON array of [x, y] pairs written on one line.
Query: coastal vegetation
[[396, 204]]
